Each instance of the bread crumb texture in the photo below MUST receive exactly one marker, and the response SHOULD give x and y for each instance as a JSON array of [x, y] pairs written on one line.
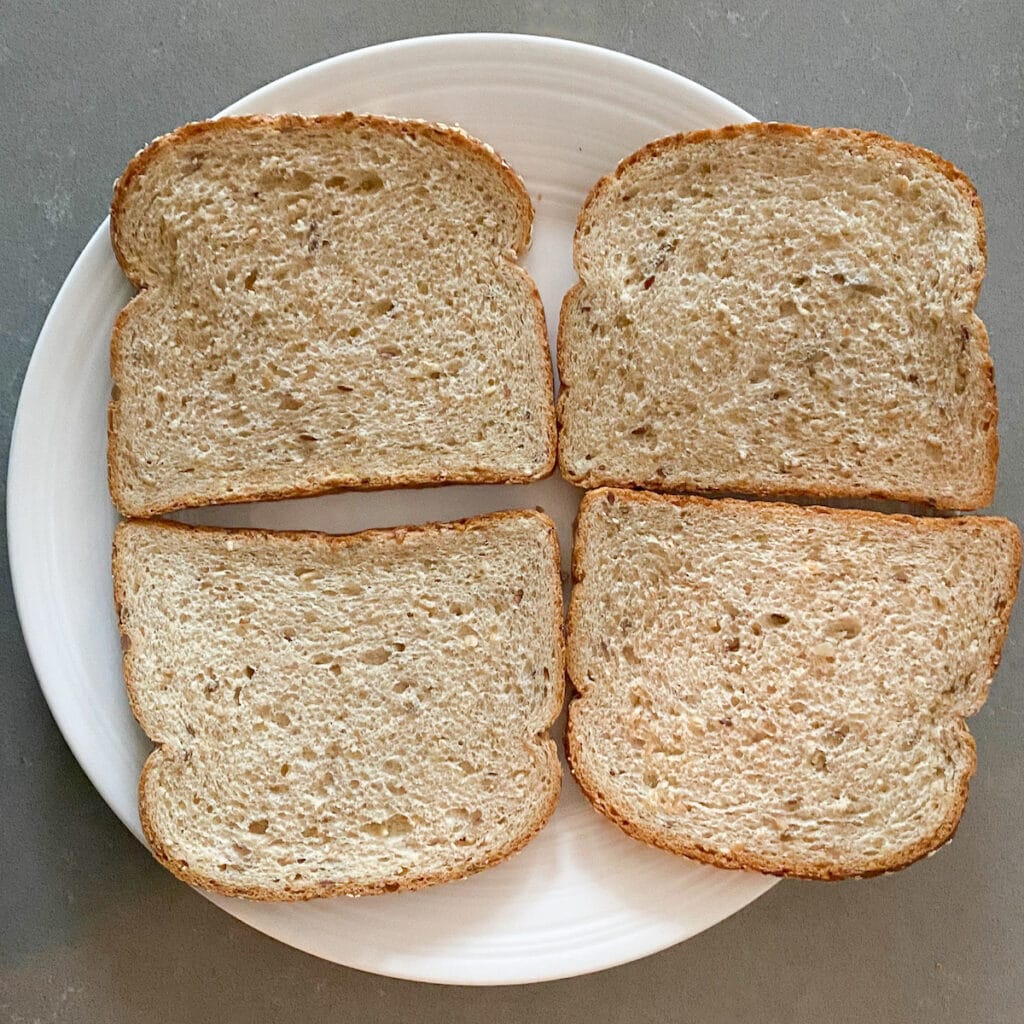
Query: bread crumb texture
[[781, 688], [342, 714], [326, 303], [779, 310]]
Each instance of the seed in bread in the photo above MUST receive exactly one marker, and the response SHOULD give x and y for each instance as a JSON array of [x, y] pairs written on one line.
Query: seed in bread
[[778, 310], [342, 715], [780, 688], [326, 303]]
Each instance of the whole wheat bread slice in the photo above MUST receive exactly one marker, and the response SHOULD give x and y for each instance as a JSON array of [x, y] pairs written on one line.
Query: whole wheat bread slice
[[356, 714], [327, 302], [777, 310], [781, 688]]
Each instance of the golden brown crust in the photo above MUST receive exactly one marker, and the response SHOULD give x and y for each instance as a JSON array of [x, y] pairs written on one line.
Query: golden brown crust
[[759, 493], [562, 353], [347, 121], [548, 373], [864, 142], [319, 890], [341, 482], [743, 859], [545, 745], [331, 485]]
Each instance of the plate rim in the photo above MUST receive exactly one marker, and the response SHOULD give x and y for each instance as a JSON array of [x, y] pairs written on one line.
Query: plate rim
[[31, 398]]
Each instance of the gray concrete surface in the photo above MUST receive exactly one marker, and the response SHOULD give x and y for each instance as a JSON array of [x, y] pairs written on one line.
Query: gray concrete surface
[[92, 930]]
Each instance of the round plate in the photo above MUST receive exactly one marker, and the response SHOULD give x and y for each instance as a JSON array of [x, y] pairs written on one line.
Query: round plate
[[582, 896]]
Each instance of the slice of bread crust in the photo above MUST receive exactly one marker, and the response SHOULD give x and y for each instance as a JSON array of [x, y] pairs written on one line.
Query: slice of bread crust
[[342, 714], [326, 303], [778, 310], [778, 688]]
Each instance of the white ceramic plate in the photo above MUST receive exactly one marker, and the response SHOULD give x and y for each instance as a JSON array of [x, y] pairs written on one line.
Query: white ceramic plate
[[582, 896]]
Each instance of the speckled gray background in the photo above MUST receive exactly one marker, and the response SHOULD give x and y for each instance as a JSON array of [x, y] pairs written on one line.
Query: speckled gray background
[[92, 930]]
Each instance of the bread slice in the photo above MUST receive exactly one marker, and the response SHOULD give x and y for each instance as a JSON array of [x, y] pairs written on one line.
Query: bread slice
[[333, 715], [781, 688], [327, 303], [778, 310]]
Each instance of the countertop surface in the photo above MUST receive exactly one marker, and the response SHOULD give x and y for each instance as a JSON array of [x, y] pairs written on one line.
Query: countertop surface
[[91, 929]]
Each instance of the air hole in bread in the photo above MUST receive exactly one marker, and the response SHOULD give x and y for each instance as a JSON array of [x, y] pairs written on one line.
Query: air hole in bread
[[844, 628], [836, 736], [370, 181], [374, 656], [868, 289], [393, 827]]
